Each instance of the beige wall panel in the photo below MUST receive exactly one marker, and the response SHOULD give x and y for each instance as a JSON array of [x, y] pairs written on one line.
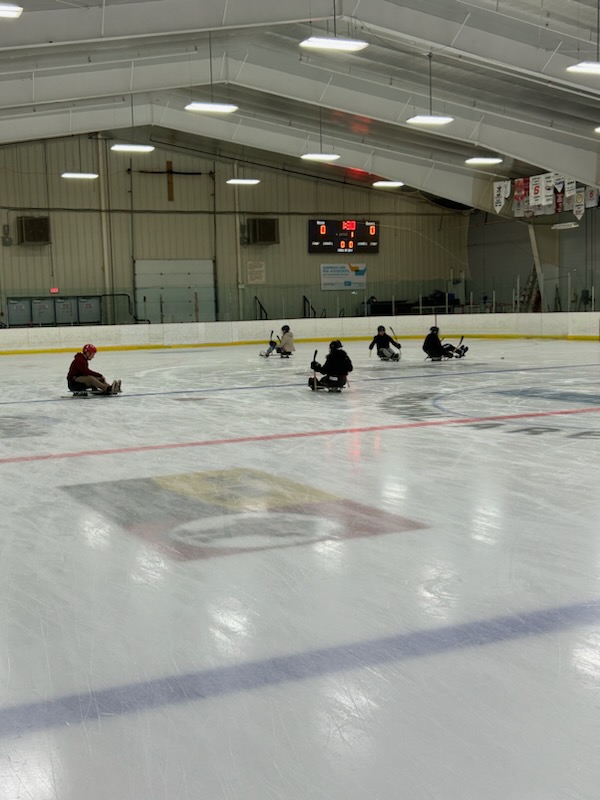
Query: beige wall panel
[[77, 253], [121, 252], [26, 270], [421, 245], [174, 236]]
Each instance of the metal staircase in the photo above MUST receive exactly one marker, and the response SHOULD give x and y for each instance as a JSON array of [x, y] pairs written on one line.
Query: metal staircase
[[531, 298]]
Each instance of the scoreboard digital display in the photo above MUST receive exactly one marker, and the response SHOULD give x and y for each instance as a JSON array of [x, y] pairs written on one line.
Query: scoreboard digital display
[[343, 236]]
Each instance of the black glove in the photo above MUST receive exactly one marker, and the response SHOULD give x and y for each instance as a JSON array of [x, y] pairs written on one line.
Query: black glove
[[272, 343], [315, 365]]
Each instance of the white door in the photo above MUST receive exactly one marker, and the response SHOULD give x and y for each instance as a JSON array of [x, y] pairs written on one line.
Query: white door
[[175, 291]]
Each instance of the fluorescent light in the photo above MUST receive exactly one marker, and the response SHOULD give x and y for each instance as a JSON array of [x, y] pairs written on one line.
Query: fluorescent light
[[483, 160], [387, 184], [86, 176], [586, 67], [320, 156], [244, 181], [132, 148], [9, 11], [564, 226], [212, 108], [334, 43], [430, 119]]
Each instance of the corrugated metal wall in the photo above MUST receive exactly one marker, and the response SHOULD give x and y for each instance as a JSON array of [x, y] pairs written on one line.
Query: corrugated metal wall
[[137, 210]]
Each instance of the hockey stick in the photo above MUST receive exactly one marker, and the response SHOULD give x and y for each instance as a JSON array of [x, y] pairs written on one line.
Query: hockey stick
[[314, 370], [395, 337]]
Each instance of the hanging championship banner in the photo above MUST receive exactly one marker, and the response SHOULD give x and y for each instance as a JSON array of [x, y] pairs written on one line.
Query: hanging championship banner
[[548, 193], [569, 203], [579, 207], [521, 188], [519, 208], [498, 196], [591, 197], [535, 190], [559, 181], [570, 187], [507, 189], [560, 201]]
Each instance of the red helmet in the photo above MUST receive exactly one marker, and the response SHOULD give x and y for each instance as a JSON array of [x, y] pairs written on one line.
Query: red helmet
[[88, 350]]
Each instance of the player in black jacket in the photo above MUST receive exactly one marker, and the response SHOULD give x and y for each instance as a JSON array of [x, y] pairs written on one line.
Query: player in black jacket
[[436, 350], [335, 369], [382, 342]]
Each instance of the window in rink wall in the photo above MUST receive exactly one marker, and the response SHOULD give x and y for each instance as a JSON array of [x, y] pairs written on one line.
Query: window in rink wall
[[343, 236]]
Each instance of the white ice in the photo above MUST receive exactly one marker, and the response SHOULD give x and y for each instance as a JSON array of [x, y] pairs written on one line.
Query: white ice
[[223, 586]]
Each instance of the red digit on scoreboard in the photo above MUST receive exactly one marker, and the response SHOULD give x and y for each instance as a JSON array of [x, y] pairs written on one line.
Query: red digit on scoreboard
[[372, 230], [322, 229], [349, 225]]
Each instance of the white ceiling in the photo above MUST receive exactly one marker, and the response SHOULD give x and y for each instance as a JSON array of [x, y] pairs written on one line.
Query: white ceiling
[[498, 67]]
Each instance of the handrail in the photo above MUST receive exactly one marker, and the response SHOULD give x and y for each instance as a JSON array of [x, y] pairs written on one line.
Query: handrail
[[308, 309], [260, 310], [324, 312], [342, 312], [130, 306]]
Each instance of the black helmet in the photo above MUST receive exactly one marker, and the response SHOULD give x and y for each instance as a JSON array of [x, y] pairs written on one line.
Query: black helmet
[[285, 328], [435, 329], [335, 345], [381, 328]]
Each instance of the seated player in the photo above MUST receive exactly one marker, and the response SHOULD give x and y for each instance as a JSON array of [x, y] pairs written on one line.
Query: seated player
[[382, 341], [436, 350], [335, 369], [80, 377], [285, 348]]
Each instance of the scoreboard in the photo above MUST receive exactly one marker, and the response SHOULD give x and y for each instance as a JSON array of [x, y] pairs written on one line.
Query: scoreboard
[[343, 236]]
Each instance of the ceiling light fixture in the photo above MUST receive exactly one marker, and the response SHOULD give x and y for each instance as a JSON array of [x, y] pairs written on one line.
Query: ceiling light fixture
[[387, 184], [320, 156], [325, 157], [338, 44], [586, 68], [8, 11], [431, 118], [132, 147], [334, 43], [483, 160], [243, 181], [590, 67], [211, 107], [89, 176], [564, 226]]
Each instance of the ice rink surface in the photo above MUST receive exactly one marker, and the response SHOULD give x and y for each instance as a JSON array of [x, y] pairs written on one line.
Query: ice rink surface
[[223, 586]]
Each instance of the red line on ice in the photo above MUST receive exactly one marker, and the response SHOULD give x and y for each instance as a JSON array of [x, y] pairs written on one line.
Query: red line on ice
[[299, 435]]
